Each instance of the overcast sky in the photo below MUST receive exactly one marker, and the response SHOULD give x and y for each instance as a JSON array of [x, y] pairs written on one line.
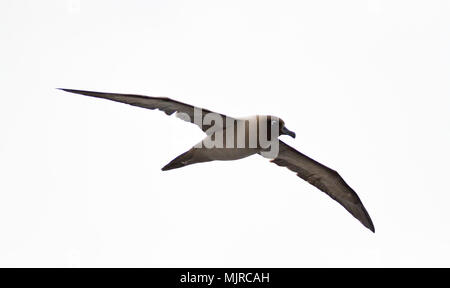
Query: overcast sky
[[364, 84]]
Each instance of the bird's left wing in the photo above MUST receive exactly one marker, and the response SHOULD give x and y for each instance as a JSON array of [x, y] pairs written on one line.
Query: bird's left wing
[[164, 104], [324, 178]]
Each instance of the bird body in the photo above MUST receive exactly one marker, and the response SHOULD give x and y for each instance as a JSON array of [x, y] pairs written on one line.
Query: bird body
[[229, 138], [223, 144]]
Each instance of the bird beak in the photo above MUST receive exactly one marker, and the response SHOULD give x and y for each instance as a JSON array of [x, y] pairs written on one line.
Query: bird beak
[[285, 131]]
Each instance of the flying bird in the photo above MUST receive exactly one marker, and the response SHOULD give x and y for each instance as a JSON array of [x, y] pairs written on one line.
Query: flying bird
[[226, 130]]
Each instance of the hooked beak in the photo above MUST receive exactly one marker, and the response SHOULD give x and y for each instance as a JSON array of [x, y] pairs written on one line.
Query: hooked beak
[[285, 131]]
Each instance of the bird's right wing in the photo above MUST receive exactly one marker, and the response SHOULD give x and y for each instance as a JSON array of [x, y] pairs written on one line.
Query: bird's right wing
[[164, 104], [324, 178]]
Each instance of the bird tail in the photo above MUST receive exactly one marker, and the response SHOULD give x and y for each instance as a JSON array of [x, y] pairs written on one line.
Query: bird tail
[[181, 161]]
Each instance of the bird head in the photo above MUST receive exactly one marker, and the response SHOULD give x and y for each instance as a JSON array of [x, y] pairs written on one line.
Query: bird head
[[282, 130]]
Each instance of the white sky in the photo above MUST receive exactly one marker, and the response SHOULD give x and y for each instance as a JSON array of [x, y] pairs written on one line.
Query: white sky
[[364, 84]]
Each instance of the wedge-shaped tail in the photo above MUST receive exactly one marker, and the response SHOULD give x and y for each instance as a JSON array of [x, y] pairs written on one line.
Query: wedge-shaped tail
[[180, 161]]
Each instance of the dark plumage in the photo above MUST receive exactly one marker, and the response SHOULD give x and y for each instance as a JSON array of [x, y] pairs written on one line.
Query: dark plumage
[[324, 178]]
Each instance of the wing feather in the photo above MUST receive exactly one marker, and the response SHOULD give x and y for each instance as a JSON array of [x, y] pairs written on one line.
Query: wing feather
[[164, 104], [325, 179]]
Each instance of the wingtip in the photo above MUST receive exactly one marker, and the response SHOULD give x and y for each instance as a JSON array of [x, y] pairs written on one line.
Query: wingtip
[[370, 225], [66, 90], [87, 93]]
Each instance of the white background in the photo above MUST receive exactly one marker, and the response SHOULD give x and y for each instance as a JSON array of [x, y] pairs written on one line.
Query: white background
[[364, 84]]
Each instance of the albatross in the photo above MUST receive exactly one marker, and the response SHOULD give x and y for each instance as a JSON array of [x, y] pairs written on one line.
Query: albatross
[[229, 138]]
